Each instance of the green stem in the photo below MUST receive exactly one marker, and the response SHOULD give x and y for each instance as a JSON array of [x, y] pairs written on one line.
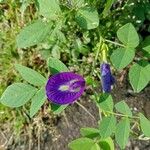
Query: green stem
[[97, 53], [121, 115], [115, 43]]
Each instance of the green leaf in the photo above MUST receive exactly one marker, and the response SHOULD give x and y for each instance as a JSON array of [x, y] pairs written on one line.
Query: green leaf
[[107, 126], [122, 132], [17, 94], [146, 42], [31, 75], [95, 147], [56, 52], [78, 3], [37, 101], [147, 49], [145, 125], [49, 8], [122, 57], [33, 34], [108, 5], [89, 132], [128, 35], [82, 143], [57, 109], [139, 75], [56, 66], [106, 144], [87, 18], [106, 102], [123, 108]]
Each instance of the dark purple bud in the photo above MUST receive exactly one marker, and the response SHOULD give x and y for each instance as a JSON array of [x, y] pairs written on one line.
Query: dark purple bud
[[64, 88], [106, 77]]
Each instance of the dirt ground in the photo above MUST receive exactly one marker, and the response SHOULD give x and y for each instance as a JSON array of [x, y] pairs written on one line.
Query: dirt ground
[[54, 133]]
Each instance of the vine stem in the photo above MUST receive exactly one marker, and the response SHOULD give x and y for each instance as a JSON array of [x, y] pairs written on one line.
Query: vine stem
[[121, 115], [97, 53], [85, 110], [66, 119], [115, 43], [141, 137]]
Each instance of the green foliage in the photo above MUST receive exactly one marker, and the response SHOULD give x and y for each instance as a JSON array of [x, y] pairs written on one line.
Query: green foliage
[[56, 66], [123, 108], [17, 94], [122, 57], [30, 75], [84, 143], [89, 132], [33, 34], [122, 132], [108, 5], [107, 126], [57, 109], [106, 102], [145, 125], [49, 8], [128, 35], [87, 18], [37, 101], [139, 75], [106, 144], [147, 49], [54, 29]]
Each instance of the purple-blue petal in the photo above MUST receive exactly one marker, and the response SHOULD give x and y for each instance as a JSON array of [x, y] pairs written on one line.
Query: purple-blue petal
[[64, 88], [106, 77]]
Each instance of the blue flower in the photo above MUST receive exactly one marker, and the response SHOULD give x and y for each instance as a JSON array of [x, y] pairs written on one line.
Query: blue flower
[[64, 88], [106, 77]]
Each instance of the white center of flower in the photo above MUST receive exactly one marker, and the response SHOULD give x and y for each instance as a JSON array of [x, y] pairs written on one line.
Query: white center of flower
[[64, 88]]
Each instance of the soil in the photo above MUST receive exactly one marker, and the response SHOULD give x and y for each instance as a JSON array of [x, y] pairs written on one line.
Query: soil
[[56, 132]]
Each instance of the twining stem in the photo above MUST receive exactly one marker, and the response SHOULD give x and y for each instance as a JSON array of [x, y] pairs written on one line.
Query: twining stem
[[66, 119], [121, 115], [97, 52], [115, 43], [100, 114], [85, 109]]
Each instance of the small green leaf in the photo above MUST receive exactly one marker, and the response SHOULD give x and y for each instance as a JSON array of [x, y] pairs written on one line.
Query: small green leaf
[[108, 5], [37, 101], [122, 57], [106, 144], [147, 49], [123, 108], [49, 8], [128, 35], [139, 75], [106, 102], [31, 75], [57, 109], [87, 18], [17, 94], [56, 66], [33, 34], [89, 132], [107, 126], [145, 125], [122, 132], [82, 143]]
